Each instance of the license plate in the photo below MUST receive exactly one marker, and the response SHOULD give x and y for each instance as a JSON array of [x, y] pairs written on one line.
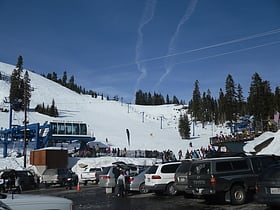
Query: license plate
[[182, 179], [199, 182], [148, 179], [275, 190]]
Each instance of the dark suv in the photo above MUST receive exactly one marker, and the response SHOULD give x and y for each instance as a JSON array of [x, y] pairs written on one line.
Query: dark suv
[[181, 176], [229, 178], [17, 180]]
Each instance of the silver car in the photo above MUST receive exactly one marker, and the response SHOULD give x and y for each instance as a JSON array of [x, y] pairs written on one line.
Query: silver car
[[108, 177], [137, 182], [110, 174]]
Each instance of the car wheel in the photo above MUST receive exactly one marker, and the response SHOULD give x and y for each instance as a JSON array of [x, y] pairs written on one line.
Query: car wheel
[[237, 195], [142, 189], [170, 189]]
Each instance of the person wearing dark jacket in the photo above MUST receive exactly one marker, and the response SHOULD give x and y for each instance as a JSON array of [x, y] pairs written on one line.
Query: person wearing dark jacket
[[120, 187]]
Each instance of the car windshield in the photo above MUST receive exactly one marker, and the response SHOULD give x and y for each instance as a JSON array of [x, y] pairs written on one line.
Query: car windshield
[[152, 169]]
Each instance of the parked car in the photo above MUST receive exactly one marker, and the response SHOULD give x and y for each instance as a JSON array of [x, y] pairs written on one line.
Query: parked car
[[181, 176], [90, 175], [59, 176], [17, 180], [108, 177], [268, 187], [230, 179], [110, 174], [160, 178], [136, 182], [35, 202]]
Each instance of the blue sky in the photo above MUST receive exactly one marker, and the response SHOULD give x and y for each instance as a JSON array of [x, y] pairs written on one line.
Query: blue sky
[[116, 47]]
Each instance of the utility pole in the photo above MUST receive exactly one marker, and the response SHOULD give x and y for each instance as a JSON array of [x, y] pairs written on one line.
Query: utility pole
[[25, 125], [142, 116]]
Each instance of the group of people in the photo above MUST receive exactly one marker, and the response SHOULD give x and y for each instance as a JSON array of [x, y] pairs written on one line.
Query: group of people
[[198, 153], [116, 152]]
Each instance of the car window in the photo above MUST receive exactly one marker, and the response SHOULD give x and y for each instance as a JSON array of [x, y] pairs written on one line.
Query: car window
[[240, 165], [260, 163], [272, 173], [184, 167], [152, 169], [105, 170], [223, 166], [200, 168], [170, 168], [231, 165], [257, 165]]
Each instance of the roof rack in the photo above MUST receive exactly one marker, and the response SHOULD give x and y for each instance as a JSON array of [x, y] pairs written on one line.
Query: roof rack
[[225, 154]]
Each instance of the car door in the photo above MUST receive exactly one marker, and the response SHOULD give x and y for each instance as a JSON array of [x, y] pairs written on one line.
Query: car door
[[168, 172]]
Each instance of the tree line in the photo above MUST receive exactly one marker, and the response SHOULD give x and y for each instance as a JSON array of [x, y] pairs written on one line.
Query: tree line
[[261, 102], [69, 83], [146, 98]]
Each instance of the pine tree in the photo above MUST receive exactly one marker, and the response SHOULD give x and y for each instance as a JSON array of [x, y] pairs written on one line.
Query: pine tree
[[175, 100], [195, 104], [260, 97], [27, 90], [184, 126], [71, 83], [54, 77], [276, 100], [17, 86], [230, 98], [64, 78], [221, 114], [241, 104], [53, 110]]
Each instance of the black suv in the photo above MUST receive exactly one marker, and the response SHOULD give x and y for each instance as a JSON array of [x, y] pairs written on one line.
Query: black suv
[[17, 180], [181, 176], [229, 178]]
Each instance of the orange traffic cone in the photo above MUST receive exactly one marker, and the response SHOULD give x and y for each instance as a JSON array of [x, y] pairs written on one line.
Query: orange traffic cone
[[78, 186]]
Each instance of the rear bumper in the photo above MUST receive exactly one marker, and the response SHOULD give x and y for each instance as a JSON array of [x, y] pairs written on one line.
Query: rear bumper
[[156, 187], [181, 187], [269, 200], [200, 191]]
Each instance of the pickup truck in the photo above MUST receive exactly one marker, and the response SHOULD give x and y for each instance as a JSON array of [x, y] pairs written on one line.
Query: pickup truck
[[90, 175], [58, 176]]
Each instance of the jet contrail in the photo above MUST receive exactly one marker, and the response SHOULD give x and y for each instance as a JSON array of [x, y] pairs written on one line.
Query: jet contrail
[[171, 48], [259, 35], [147, 16], [230, 52]]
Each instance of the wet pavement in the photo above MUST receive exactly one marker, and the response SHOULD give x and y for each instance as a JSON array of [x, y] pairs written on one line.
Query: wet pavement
[[94, 197]]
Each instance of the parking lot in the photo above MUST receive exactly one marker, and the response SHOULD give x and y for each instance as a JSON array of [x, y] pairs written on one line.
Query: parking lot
[[94, 197]]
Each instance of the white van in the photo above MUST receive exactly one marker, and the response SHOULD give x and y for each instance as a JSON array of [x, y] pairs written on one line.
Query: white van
[[36, 202], [160, 178]]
